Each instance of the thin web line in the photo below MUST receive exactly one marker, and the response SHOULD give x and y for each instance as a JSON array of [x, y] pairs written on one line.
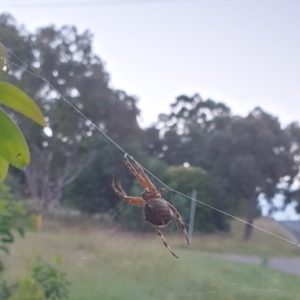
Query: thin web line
[[253, 266], [149, 280], [221, 211], [16, 56], [236, 290], [285, 294], [205, 275], [120, 269], [94, 242], [77, 110], [166, 186], [175, 191], [245, 290], [88, 250], [44, 76], [106, 281], [171, 192], [209, 276]]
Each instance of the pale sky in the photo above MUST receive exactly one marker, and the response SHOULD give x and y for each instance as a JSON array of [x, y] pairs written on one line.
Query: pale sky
[[244, 53]]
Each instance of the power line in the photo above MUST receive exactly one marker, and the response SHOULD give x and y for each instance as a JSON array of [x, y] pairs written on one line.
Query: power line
[[87, 3]]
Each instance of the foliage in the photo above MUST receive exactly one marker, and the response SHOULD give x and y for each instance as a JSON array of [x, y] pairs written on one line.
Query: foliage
[[72, 71], [44, 282], [186, 180], [260, 160], [28, 289], [91, 192], [53, 282], [289, 186], [5, 290], [14, 149], [101, 277], [243, 156], [12, 218], [186, 136]]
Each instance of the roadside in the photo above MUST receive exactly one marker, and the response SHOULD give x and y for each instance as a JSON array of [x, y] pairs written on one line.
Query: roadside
[[285, 264], [293, 227]]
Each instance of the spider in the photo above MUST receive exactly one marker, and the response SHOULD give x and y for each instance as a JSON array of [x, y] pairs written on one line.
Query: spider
[[157, 211]]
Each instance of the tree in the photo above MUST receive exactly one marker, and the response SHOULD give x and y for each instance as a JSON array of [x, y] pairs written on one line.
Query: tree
[[194, 133], [244, 157], [186, 180], [260, 159], [65, 58], [91, 192], [289, 186], [186, 129]]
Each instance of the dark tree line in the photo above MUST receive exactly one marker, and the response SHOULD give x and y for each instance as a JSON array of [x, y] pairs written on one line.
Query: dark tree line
[[65, 58], [243, 156], [232, 159]]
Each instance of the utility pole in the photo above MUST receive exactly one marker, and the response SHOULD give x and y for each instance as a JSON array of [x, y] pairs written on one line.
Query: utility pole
[[192, 214]]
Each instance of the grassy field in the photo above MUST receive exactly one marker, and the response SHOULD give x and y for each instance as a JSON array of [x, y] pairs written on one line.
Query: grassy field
[[114, 265]]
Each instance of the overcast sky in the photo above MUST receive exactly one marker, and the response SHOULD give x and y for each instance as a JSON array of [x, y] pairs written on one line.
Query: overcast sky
[[245, 53]]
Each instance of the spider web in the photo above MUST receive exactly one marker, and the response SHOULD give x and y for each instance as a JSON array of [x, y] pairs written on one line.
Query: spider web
[[191, 273]]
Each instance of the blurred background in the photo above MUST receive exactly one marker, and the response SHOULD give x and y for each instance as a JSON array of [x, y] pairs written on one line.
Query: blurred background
[[205, 96]]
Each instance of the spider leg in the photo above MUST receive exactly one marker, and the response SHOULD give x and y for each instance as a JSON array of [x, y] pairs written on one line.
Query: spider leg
[[138, 172], [116, 186], [134, 172], [179, 221], [164, 241]]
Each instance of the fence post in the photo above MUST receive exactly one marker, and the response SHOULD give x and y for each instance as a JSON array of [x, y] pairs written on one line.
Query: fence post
[[192, 215]]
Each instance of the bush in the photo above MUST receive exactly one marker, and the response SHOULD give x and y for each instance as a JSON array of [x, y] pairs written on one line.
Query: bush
[[53, 282], [45, 282], [28, 289]]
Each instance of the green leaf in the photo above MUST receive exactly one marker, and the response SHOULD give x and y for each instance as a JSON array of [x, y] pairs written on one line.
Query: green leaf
[[16, 99], [3, 169], [13, 147]]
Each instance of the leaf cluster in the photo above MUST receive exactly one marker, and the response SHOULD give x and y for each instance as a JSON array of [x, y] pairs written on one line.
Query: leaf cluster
[[13, 217], [14, 149], [45, 281]]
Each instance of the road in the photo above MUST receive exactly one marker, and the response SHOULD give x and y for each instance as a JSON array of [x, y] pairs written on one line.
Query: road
[[293, 227], [285, 264]]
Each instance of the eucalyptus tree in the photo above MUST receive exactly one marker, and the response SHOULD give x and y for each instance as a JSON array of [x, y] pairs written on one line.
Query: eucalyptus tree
[[243, 156], [58, 69], [260, 160], [290, 187], [193, 133]]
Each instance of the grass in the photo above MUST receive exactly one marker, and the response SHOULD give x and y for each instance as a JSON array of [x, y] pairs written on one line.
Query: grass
[[261, 243], [115, 265]]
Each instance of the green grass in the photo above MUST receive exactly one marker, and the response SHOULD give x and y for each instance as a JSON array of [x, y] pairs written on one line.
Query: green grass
[[261, 243], [119, 265]]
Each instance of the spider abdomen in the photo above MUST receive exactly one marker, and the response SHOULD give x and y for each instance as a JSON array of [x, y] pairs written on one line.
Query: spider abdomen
[[157, 212]]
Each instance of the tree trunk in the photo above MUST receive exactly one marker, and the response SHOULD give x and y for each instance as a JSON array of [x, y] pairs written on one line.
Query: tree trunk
[[46, 186], [31, 183], [250, 215]]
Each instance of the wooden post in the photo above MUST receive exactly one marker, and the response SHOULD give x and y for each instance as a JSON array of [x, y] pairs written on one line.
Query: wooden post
[[192, 214], [38, 222]]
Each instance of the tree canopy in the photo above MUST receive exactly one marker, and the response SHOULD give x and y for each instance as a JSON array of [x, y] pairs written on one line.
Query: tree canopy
[[243, 156], [230, 160]]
